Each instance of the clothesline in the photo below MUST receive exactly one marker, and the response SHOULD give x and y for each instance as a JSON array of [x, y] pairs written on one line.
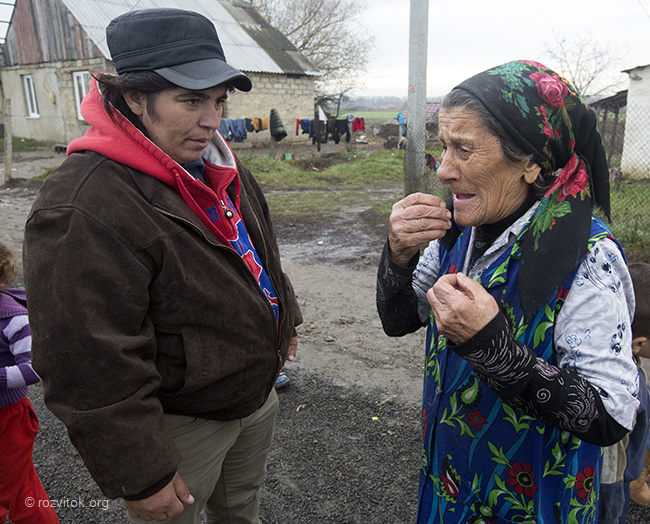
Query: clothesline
[[320, 130], [237, 129]]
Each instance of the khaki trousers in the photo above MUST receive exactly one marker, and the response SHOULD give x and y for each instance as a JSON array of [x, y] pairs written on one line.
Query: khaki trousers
[[223, 464]]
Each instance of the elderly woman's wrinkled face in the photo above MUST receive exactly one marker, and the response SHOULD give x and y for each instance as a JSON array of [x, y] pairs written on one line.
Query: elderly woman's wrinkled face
[[486, 186]]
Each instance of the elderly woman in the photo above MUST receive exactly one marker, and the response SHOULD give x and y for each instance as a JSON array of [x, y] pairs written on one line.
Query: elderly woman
[[527, 297]]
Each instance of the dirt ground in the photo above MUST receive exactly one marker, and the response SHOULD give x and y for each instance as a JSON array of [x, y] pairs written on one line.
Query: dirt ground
[[346, 446]]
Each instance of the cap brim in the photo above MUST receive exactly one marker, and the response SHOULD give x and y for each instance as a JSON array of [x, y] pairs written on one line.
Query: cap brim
[[204, 74]]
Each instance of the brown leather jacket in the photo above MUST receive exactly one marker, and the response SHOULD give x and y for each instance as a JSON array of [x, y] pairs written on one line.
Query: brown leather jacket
[[136, 309]]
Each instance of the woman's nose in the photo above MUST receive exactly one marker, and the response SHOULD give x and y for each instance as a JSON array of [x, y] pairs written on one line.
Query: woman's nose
[[447, 170], [211, 118]]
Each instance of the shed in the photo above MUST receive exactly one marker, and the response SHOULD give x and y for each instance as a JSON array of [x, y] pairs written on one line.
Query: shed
[[53, 47], [635, 162], [611, 113]]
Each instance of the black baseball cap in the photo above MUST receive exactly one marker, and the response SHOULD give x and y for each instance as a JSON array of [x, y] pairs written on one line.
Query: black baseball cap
[[181, 46]]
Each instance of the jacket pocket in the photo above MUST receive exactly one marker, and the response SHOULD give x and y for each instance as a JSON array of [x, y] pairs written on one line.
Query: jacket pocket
[[178, 361]]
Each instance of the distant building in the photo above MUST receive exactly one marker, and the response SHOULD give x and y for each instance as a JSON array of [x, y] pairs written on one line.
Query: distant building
[[635, 163], [53, 47]]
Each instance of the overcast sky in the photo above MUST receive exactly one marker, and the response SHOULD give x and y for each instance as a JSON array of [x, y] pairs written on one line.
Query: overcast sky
[[470, 36]]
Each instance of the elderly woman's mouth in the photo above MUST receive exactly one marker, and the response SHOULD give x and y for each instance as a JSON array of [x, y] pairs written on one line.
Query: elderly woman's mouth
[[463, 196]]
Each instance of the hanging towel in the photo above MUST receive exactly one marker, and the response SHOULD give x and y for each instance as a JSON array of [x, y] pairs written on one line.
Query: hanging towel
[[225, 129], [238, 128], [278, 132]]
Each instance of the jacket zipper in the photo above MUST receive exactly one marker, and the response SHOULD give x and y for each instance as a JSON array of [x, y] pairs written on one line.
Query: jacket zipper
[[242, 191], [230, 249]]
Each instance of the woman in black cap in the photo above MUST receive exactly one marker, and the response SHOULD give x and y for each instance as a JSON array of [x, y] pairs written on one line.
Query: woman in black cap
[[172, 314], [527, 297]]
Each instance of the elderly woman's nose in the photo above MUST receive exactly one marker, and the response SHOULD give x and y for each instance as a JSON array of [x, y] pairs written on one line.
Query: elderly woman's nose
[[446, 171]]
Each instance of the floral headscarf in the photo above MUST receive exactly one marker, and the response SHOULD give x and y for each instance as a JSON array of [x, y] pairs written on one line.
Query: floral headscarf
[[546, 116]]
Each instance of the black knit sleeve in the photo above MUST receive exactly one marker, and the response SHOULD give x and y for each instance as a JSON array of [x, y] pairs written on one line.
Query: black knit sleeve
[[397, 303], [557, 396]]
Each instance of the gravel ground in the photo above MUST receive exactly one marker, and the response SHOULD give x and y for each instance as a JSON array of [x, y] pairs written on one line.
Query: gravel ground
[[346, 446]]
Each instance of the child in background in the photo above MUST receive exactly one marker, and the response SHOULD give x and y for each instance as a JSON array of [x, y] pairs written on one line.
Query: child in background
[[22, 495], [623, 462], [639, 490]]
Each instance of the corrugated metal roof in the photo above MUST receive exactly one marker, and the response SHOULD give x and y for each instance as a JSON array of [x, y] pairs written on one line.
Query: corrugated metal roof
[[6, 11], [249, 43]]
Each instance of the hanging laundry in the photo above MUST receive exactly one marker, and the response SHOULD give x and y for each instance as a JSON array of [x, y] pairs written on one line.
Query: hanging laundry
[[278, 132], [238, 128], [225, 130], [358, 124], [343, 127], [305, 125], [332, 131], [402, 123]]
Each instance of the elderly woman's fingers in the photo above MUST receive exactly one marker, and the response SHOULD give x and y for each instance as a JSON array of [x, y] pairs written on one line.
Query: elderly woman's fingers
[[417, 219], [462, 307]]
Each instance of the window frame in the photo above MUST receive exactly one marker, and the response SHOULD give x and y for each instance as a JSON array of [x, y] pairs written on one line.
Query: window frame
[[29, 90], [84, 78]]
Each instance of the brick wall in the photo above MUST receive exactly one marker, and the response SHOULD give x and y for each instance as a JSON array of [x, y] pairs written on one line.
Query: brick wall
[[293, 97]]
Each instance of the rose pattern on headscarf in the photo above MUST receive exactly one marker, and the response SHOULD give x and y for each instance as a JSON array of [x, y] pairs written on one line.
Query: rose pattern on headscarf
[[550, 88]]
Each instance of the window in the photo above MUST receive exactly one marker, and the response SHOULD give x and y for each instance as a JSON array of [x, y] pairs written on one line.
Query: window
[[30, 96], [81, 80]]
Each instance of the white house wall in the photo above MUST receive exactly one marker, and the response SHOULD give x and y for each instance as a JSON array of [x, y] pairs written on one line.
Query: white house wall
[[53, 83], [635, 162], [58, 123], [48, 125]]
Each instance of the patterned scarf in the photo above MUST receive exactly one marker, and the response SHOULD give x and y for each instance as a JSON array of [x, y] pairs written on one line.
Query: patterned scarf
[[545, 115]]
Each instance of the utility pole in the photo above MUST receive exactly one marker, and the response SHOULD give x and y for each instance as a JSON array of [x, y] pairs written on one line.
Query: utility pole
[[8, 140], [416, 178]]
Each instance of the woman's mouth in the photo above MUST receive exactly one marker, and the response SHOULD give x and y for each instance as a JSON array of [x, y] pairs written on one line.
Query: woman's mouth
[[463, 196]]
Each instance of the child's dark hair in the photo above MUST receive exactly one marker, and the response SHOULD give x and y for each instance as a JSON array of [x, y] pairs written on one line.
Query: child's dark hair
[[640, 273], [8, 268]]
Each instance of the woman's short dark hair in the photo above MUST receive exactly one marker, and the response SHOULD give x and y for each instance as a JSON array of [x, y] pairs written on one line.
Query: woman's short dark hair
[[148, 82], [461, 99], [112, 87], [640, 273]]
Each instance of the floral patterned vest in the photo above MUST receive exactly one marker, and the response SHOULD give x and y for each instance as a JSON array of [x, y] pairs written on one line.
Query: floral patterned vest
[[482, 461]]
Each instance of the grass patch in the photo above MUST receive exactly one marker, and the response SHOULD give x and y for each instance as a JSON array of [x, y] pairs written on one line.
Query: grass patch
[[376, 117], [312, 204], [345, 170], [24, 145], [44, 174], [631, 217]]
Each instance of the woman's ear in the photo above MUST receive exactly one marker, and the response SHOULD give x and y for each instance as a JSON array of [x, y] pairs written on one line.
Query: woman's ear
[[531, 171], [641, 347], [136, 100]]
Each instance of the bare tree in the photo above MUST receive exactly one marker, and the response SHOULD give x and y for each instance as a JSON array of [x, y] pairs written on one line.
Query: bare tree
[[330, 34], [593, 67]]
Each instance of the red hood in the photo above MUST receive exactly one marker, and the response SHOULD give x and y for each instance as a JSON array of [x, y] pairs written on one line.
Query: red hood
[[121, 141]]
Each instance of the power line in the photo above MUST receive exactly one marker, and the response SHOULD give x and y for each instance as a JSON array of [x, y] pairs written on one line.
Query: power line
[[644, 9]]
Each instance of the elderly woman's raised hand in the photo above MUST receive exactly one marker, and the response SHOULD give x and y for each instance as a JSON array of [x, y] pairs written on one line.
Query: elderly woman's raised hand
[[417, 219], [462, 306]]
